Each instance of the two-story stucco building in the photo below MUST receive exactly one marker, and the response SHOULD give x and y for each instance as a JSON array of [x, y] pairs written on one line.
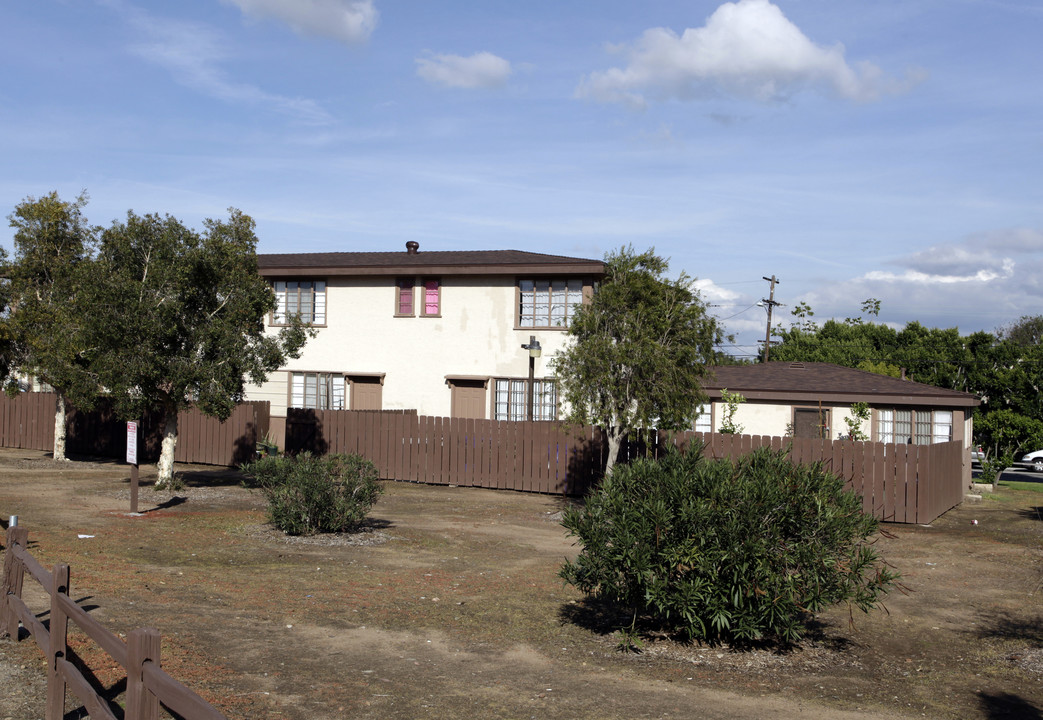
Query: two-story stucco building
[[439, 332]]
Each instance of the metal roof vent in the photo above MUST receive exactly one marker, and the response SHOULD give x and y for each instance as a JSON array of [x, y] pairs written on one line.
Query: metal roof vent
[[412, 247], [796, 366]]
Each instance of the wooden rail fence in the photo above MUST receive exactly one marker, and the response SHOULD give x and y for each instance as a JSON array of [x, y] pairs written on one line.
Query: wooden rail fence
[[148, 686], [897, 483]]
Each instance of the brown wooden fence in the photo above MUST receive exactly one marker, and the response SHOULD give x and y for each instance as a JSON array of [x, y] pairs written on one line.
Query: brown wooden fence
[[27, 421], [897, 483], [148, 685]]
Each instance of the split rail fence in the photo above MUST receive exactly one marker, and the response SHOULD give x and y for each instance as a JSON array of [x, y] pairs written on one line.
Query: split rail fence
[[897, 483], [148, 685], [27, 421]]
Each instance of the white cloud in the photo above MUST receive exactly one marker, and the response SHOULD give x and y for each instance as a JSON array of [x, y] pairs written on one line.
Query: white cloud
[[349, 21], [713, 293], [979, 283], [481, 70], [192, 53], [747, 49], [922, 278]]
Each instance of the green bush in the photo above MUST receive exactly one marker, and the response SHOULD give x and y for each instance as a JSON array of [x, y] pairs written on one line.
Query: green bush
[[721, 551], [314, 494]]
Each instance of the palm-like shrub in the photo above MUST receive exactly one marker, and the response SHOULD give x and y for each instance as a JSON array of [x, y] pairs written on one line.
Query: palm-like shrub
[[725, 551]]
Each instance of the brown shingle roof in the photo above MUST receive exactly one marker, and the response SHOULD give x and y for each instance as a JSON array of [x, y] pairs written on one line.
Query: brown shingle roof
[[437, 262], [812, 382]]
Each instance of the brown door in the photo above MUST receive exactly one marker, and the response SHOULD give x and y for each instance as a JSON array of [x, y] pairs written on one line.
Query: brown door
[[810, 423], [468, 399], [366, 393]]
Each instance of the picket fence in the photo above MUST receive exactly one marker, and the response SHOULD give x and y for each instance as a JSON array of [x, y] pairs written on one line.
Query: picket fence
[[27, 421], [897, 483]]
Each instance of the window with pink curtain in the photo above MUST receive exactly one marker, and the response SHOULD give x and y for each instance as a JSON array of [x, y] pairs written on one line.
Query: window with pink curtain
[[432, 306]]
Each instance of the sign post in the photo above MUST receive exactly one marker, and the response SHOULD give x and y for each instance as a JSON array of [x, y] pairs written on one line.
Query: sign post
[[132, 458]]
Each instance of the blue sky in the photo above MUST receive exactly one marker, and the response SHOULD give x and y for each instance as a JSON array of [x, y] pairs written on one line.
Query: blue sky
[[865, 148]]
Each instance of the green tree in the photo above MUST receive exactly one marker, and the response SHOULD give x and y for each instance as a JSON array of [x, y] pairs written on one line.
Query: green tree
[[179, 319], [1024, 332], [720, 550], [860, 415], [731, 406], [53, 246], [639, 351]]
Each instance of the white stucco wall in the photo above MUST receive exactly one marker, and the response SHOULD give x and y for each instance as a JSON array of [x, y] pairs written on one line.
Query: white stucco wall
[[474, 335], [773, 419], [758, 419]]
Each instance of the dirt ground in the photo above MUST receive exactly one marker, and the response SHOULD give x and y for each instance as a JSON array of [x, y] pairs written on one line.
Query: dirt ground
[[449, 606]]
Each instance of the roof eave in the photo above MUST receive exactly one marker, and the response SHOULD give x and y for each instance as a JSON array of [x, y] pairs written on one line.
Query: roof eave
[[595, 269], [813, 398]]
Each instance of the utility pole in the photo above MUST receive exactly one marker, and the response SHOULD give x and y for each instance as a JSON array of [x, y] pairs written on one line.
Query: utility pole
[[769, 304]]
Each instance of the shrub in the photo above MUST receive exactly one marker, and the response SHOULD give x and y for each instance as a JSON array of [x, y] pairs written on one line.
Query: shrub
[[721, 551], [312, 494]]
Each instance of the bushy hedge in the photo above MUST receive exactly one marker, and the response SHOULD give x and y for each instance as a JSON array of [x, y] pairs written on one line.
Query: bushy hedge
[[722, 551], [315, 494]]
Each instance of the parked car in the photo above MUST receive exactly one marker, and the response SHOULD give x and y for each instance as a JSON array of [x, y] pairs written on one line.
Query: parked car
[[1033, 460], [977, 455]]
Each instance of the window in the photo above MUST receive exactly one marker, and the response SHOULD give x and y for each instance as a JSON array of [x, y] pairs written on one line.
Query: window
[[919, 427], [511, 399], [404, 301], [704, 420], [548, 303], [306, 298], [942, 426], [432, 297], [317, 391]]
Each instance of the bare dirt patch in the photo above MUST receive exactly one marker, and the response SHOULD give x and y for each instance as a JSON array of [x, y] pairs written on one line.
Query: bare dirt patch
[[448, 604]]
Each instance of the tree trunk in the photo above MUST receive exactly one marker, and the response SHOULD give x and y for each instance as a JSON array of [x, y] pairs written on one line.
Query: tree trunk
[[59, 427], [165, 466], [615, 441]]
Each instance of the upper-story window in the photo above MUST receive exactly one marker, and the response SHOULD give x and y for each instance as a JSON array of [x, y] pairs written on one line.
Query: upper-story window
[[432, 297], [404, 299], [306, 298], [548, 303]]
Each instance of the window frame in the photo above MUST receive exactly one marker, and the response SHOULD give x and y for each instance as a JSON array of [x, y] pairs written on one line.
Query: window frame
[[514, 398], [279, 317], [520, 317], [331, 395], [400, 291], [425, 295], [920, 431], [825, 420], [704, 410]]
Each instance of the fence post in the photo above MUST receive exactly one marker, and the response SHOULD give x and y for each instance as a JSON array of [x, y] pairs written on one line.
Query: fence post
[[58, 629], [143, 646], [14, 571]]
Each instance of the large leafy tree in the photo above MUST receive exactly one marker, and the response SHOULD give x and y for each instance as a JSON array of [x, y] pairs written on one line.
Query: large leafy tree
[[639, 351], [179, 319], [53, 248], [1004, 369]]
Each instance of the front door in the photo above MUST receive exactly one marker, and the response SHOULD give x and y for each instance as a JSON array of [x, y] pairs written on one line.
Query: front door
[[468, 399], [810, 423], [366, 393]]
